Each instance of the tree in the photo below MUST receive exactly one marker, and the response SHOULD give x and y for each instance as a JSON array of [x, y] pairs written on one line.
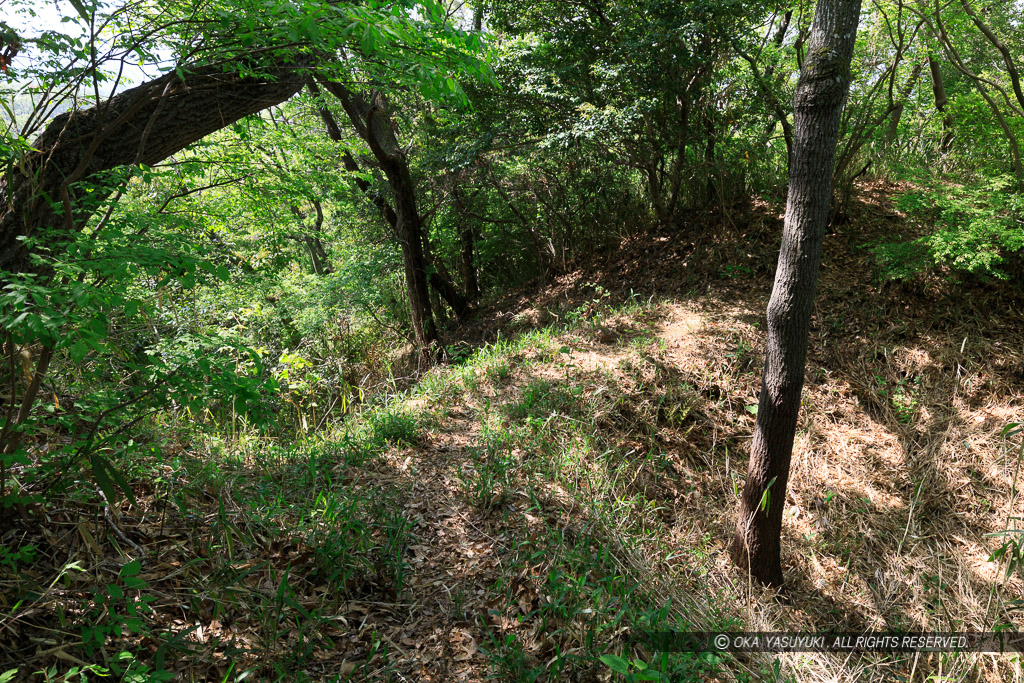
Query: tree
[[818, 106], [143, 125], [232, 60], [371, 119]]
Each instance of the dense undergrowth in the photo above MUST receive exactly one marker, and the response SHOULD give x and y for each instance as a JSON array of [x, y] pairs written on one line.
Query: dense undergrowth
[[524, 511], [424, 339], [270, 550]]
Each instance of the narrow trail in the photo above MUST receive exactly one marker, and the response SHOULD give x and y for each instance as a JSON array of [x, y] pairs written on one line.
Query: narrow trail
[[861, 538], [514, 516]]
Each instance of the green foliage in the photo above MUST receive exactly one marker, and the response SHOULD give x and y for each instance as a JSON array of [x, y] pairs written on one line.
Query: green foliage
[[901, 394], [235, 320], [395, 427], [12, 558], [662, 668], [117, 609], [357, 542], [971, 228], [487, 479], [542, 399]]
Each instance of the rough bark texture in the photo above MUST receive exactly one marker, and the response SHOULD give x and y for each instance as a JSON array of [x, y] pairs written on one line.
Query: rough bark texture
[[438, 277], [145, 124], [818, 104], [941, 100], [372, 121]]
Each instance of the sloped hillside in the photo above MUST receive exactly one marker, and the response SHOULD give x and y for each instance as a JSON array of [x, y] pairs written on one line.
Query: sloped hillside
[[571, 477]]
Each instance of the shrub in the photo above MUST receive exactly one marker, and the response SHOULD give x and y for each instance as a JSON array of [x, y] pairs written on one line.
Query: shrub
[[978, 225]]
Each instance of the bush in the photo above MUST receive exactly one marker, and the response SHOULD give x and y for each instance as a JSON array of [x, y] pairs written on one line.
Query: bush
[[978, 226]]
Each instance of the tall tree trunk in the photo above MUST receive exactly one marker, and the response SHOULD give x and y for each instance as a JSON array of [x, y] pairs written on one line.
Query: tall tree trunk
[[467, 261], [438, 276], [710, 131], [896, 108], [478, 17], [941, 100], [818, 105], [467, 248], [311, 238], [372, 121]]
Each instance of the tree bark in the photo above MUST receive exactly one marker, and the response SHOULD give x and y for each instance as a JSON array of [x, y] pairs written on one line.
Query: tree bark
[[896, 107], [941, 100], [467, 246], [438, 277], [143, 125], [311, 238], [372, 121], [818, 105], [467, 261]]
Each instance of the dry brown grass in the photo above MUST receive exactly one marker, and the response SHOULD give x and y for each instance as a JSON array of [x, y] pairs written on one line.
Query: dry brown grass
[[900, 472], [899, 475]]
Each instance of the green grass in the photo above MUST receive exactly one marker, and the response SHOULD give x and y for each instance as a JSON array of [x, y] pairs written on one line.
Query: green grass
[[284, 535], [538, 443], [394, 427]]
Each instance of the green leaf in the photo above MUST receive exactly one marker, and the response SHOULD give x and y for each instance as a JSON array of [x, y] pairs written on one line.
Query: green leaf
[[616, 664], [766, 496], [369, 40], [132, 582], [123, 484], [114, 591], [78, 351], [131, 569], [99, 473], [8, 675], [105, 475]]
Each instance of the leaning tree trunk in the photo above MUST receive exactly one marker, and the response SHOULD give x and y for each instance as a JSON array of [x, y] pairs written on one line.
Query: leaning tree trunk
[[143, 125], [818, 105], [941, 100], [438, 276], [372, 121], [53, 191]]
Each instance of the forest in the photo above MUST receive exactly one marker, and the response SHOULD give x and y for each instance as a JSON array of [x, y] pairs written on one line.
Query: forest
[[494, 340]]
